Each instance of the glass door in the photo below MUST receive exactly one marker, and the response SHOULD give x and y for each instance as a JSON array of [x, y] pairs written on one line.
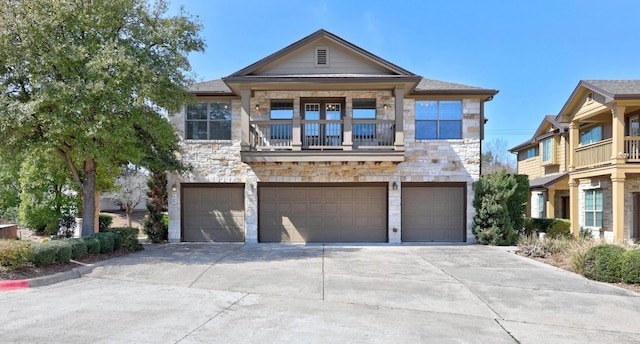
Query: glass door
[[322, 124]]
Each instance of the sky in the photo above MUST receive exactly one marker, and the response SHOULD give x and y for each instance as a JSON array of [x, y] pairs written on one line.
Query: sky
[[533, 51]]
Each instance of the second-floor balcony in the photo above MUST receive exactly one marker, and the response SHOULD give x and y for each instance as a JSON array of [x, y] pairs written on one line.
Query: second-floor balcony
[[323, 140], [601, 152]]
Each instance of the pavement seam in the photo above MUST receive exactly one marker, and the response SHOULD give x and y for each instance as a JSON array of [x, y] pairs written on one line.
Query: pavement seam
[[213, 317], [214, 263], [565, 326], [461, 282], [505, 330]]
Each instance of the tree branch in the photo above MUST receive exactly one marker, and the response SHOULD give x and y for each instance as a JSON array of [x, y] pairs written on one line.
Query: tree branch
[[72, 167]]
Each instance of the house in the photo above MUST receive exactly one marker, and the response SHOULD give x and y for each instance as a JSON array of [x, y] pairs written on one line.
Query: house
[[597, 156], [323, 141]]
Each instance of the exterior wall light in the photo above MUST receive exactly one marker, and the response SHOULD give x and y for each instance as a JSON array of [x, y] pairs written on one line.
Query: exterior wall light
[[257, 107], [394, 186], [173, 187]]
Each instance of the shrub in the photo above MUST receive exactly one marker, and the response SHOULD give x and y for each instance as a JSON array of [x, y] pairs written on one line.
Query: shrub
[[51, 252], [104, 222], [129, 237], [585, 233], [93, 244], [117, 240], [602, 263], [106, 242], [15, 254], [79, 248], [492, 223], [560, 228], [537, 225], [630, 266], [534, 247], [577, 250]]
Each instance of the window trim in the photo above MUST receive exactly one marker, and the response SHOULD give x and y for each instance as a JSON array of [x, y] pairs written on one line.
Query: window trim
[[552, 153], [438, 121], [208, 120], [594, 209]]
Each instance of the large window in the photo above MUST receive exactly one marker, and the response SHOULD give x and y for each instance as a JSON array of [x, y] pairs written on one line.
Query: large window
[[593, 208], [438, 119], [281, 109], [591, 135], [541, 206], [547, 150], [208, 121]]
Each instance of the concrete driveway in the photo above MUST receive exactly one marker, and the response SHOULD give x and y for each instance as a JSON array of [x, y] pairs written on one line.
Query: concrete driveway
[[234, 293]]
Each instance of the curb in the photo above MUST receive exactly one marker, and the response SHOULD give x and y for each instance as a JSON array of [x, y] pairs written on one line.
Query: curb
[[46, 280]]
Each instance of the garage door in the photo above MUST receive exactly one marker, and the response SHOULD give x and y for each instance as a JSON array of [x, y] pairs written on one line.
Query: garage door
[[322, 213], [433, 213], [213, 213]]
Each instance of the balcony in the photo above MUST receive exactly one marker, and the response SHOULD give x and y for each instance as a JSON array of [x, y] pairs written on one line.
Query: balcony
[[594, 154], [323, 140], [632, 148]]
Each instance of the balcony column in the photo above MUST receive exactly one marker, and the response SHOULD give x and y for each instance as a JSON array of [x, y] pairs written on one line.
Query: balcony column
[[399, 108], [245, 99], [617, 205], [617, 135], [296, 131], [574, 211], [551, 205], [574, 134], [347, 128]]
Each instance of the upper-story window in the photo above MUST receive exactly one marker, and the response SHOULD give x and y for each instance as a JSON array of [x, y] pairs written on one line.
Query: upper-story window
[[547, 150], [531, 152], [438, 119], [281, 109], [591, 135], [364, 109], [593, 208], [208, 121]]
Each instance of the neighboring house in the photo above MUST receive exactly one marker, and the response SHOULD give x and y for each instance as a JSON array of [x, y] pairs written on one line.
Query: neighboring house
[[602, 148], [323, 141]]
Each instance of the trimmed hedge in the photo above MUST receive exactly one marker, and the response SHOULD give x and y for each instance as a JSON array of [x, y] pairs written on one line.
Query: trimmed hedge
[[555, 228], [93, 244], [561, 228], [129, 237], [15, 254], [51, 252], [602, 263], [104, 222], [630, 266], [106, 241], [79, 248]]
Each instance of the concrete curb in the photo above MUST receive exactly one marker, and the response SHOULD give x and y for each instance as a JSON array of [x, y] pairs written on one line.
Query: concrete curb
[[47, 280]]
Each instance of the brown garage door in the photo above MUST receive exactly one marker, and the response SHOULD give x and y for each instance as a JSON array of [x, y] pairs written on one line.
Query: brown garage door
[[433, 213], [322, 213], [213, 212]]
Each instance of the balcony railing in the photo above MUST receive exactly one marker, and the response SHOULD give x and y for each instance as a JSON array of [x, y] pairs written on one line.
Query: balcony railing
[[632, 148], [366, 134], [594, 154]]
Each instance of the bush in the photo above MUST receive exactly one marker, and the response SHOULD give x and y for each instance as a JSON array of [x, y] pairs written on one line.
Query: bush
[[602, 263], [106, 242], [585, 233], [129, 237], [493, 223], [15, 254], [533, 226], [533, 247], [51, 252], [560, 228], [117, 240], [104, 222], [630, 266], [79, 248], [93, 244]]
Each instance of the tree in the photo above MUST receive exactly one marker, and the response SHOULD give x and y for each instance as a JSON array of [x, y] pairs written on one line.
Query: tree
[[90, 80], [492, 223], [495, 157], [130, 187]]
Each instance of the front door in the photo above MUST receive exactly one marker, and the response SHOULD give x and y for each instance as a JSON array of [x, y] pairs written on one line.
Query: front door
[[322, 123]]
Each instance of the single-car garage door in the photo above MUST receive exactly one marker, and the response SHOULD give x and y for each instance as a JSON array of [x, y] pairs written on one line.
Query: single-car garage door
[[213, 212], [433, 212], [322, 213]]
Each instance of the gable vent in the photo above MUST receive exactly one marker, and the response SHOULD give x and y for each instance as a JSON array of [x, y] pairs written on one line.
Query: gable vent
[[322, 56]]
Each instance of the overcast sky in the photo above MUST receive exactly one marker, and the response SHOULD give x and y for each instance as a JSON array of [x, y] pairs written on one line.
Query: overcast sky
[[533, 51]]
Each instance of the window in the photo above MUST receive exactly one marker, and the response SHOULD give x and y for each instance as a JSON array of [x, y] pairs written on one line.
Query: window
[[541, 205], [364, 109], [591, 135], [593, 208], [281, 109], [438, 120], [208, 121], [547, 150], [531, 152]]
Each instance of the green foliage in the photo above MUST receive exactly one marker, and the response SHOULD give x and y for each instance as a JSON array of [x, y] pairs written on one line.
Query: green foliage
[[104, 222], [533, 226], [517, 203], [602, 263], [93, 244], [153, 224], [51, 252], [90, 84], [79, 248], [106, 242], [129, 237], [630, 266], [9, 186], [15, 254], [492, 223], [561, 228], [117, 240]]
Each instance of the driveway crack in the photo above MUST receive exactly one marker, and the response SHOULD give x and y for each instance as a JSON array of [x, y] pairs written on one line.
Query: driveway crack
[[209, 320], [214, 263]]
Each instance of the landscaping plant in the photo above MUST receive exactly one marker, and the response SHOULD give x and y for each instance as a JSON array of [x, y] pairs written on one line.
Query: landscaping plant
[[602, 263]]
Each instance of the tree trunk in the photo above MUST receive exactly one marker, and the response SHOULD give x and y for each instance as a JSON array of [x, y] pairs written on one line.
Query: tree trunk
[[129, 211], [88, 197]]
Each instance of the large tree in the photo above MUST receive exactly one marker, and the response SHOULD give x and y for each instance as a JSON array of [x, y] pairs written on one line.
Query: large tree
[[90, 80]]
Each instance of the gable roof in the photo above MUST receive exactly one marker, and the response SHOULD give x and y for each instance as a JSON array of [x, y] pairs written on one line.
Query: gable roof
[[610, 89], [540, 133], [251, 69]]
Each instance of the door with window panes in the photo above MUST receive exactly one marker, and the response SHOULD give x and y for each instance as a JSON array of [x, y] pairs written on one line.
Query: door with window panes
[[322, 123], [633, 143]]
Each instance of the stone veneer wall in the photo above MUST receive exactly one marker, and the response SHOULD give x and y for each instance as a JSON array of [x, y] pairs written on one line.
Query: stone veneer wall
[[425, 160]]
